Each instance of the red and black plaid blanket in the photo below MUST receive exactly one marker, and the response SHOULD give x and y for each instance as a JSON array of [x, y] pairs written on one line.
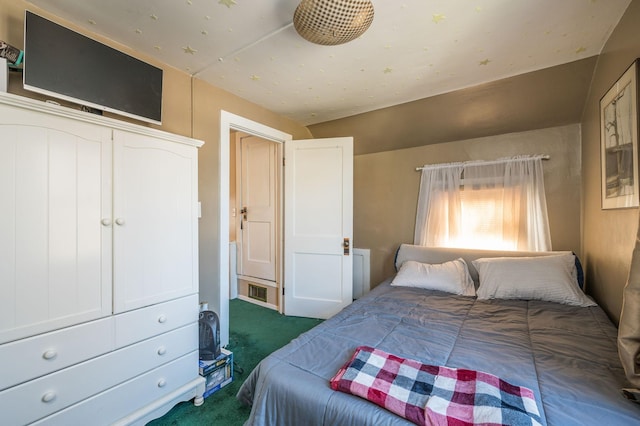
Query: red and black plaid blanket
[[432, 395]]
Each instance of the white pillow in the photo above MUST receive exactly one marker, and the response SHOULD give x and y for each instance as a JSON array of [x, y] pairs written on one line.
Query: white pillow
[[451, 277], [551, 278]]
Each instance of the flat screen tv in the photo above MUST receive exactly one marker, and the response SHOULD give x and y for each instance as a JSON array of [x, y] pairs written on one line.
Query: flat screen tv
[[64, 64]]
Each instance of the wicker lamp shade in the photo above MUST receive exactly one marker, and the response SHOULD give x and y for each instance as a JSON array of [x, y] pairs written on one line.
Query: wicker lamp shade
[[331, 22]]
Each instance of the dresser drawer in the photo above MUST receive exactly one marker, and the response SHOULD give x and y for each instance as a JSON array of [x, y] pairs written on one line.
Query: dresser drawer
[[126, 398], [40, 397], [36, 356], [142, 323]]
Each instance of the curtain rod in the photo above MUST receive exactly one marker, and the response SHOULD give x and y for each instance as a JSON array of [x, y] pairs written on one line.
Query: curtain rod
[[483, 162]]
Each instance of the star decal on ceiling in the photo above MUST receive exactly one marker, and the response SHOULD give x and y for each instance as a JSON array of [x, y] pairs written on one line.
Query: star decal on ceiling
[[92, 22], [190, 50], [438, 17], [580, 50], [253, 77], [387, 70], [484, 62], [154, 17], [227, 3]]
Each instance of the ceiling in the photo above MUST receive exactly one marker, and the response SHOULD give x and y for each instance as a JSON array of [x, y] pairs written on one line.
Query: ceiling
[[414, 49]]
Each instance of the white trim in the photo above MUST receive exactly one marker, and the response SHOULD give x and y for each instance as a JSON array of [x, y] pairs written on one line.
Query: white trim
[[76, 114], [362, 275], [229, 122], [258, 281]]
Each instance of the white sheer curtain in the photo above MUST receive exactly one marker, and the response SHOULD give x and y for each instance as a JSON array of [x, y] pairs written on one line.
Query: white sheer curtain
[[484, 204]]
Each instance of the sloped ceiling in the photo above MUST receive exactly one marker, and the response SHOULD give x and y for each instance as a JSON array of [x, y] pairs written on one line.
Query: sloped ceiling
[[549, 97], [414, 49]]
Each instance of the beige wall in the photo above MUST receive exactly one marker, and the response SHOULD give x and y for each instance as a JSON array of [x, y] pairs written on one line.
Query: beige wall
[[546, 98], [608, 235], [208, 101], [176, 96], [195, 116], [386, 188]]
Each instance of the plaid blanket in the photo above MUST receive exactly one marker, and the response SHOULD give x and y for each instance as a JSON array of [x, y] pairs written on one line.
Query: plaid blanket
[[432, 395]]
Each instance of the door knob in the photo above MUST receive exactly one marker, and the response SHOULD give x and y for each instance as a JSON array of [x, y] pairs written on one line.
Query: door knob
[[50, 354], [48, 397]]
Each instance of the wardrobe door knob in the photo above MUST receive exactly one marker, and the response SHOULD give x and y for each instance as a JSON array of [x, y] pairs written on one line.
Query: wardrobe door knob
[[120, 221], [49, 397], [50, 354], [106, 222]]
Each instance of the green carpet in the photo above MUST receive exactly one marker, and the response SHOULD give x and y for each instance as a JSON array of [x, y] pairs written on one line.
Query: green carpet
[[254, 332]]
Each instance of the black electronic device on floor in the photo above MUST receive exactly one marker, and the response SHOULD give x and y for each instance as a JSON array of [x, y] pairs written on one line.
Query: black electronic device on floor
[[209, 325]]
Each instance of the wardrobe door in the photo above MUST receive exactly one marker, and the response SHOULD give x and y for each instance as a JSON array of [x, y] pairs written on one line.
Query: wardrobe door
[[55, 251], [155, 220]]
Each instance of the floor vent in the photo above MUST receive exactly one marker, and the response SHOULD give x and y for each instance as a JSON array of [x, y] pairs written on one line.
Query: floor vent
[[258, 293]]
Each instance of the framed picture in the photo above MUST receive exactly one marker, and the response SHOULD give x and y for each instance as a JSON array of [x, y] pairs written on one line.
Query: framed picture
[[619, 142]]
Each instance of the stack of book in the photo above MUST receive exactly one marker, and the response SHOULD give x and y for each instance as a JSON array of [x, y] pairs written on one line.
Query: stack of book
[[218, 372]]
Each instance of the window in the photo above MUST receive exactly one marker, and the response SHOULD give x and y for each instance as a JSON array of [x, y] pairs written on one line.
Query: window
[[498, 205]]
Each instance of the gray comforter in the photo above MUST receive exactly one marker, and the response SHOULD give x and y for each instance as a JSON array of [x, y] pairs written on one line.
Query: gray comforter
[[566, 355]]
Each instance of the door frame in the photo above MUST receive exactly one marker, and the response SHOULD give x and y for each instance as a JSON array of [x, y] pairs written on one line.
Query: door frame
[[229, 122]]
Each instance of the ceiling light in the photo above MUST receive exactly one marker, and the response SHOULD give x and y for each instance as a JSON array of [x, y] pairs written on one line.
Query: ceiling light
[[331, 22]]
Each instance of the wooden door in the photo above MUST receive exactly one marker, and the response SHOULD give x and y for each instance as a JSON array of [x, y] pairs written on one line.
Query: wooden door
[[258, 208], [318, 226]]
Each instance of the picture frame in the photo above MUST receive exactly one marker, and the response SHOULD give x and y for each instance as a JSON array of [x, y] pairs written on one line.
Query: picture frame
[[619, 142]]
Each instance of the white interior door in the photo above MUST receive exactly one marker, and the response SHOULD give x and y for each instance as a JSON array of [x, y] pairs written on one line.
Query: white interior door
[[318, 226], [258, 201]]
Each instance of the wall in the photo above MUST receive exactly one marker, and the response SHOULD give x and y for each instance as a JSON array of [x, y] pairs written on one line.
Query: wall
[[176, 99], [386, 188], [192, 108], [608, 235], [546, 98], [208, 101]]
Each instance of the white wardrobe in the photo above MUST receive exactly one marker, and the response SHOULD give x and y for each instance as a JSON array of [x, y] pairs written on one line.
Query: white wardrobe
[[98, 268]]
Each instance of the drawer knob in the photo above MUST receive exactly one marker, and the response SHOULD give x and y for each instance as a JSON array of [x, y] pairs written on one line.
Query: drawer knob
[[162, 383], [162, 350], [50, 354], [162, 319], [48, 397]]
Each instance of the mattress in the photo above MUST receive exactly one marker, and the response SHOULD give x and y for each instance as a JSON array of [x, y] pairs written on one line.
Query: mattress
[[565, 354]]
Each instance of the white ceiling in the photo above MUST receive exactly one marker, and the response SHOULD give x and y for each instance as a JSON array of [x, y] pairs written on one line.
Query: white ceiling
[[414, 48]]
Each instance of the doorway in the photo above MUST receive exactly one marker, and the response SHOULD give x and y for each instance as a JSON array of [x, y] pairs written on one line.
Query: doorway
[[228, 123], [256, 224], [317, 243]]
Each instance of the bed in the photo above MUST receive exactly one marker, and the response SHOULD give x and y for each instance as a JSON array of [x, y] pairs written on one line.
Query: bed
[[564, 352]]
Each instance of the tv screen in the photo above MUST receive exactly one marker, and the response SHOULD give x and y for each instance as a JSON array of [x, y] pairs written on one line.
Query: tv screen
[[67, 65]]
